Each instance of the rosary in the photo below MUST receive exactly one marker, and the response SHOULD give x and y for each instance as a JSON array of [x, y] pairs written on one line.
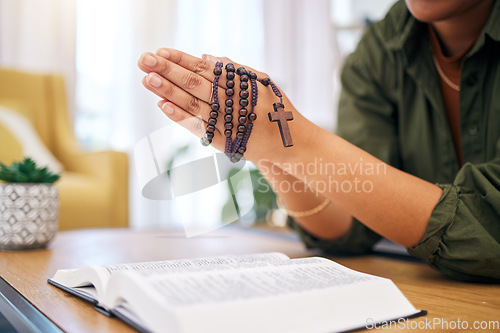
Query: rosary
[[235, 148]]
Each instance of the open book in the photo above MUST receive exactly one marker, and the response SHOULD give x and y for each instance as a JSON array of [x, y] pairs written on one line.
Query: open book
[[266, 292]]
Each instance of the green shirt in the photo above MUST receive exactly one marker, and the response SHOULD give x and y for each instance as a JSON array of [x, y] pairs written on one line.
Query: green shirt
[[391, 107]]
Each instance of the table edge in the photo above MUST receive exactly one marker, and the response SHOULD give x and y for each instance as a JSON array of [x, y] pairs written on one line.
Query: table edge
[[21, 314]]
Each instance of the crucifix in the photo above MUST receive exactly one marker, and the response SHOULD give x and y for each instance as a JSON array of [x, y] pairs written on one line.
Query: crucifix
[[282, 117]]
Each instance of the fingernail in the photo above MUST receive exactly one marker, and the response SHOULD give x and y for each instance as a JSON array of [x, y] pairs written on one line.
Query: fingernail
[[167, 109], [154, 80], [148, 60], [163, 53]]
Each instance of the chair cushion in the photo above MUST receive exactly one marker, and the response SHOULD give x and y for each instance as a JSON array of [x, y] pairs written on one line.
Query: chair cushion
[[18, 131], [11, 148], [84, 201]]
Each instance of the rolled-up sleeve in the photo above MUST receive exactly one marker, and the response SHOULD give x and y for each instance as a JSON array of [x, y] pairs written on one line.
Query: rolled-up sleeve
[[462, 239]]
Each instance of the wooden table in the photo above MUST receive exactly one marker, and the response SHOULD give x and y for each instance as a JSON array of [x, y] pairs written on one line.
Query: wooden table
[[26, 274]]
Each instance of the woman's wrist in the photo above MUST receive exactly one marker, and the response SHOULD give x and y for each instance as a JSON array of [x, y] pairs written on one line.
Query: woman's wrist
[[322, 218]]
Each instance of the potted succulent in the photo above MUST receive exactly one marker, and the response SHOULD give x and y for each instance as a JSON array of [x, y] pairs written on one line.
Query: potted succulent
[[29, 205]]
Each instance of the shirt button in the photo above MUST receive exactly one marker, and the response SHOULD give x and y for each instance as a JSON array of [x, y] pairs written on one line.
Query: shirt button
[[472, 80], [473, 129]]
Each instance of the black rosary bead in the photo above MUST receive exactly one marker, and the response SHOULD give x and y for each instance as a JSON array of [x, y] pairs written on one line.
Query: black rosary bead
[[243, 112], [228, 118], [241, 128], [244, 78], [230, 83], [243, 102], [229, 102], [244, 85], [241, 71], [252, 116], [244, 94], [210, 128], [217, 71], [265, 81], [230, 76], [214, 114], [238, 155], [230, 92], [253, 76], [242, 119], [212, 121], [228, 125], [230, 67], [234, 159], [240, 135], [215, 106], [209, 136], [228, 133], [242, 149], [228, 109]]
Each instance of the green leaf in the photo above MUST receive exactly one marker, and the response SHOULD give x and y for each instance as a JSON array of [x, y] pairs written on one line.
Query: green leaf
[[26, 171]]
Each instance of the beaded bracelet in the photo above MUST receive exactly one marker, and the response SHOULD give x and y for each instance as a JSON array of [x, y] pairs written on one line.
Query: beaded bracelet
[[235, 149]]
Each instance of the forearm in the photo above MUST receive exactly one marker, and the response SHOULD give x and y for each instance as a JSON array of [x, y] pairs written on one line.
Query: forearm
[[393, 203], [330, 223]]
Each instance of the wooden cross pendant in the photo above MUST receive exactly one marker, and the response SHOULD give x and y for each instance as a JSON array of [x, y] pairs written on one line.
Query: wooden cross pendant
[[282, 117]]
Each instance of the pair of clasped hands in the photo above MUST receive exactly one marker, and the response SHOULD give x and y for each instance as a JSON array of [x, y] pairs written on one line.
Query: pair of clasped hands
[[184, 84]]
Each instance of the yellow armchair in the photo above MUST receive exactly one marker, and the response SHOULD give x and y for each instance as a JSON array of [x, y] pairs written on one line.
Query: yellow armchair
[[93, 189]]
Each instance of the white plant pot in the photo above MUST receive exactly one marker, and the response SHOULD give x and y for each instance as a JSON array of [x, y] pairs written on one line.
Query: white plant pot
[[28, 215]]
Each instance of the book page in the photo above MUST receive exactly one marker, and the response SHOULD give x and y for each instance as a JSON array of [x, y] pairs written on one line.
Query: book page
[[88, 282], [293, 276], [92, 281], [198, 264]]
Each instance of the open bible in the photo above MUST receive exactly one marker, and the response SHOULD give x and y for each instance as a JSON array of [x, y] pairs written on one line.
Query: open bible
[[266, 292]]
